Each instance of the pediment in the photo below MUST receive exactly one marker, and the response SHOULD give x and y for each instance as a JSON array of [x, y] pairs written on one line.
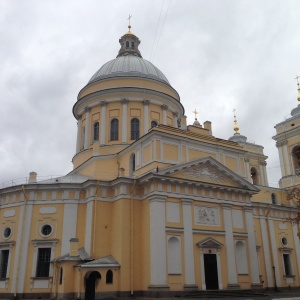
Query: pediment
[[208, 170], [209, 243]]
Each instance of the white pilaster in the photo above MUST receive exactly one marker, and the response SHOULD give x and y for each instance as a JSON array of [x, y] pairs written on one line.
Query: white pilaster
[[281, 160], [230, 248], [252, 248], [124, 120], [158, 260], [103, 123], [175, 116], [247, 169], [297, 246], [188, 242], [88, 227], [267, 252], [19, 274], [262, 175], [146, 115], [287, 159], [69, 226], [79, 129], [164, 113], [87, 128]]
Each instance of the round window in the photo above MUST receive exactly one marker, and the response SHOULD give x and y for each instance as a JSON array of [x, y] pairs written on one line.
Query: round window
[[284, 241], [7, 232], [46, 230]]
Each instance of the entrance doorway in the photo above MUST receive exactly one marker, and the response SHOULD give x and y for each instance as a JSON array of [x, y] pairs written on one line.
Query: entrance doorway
[[211, 271], [90, 284]]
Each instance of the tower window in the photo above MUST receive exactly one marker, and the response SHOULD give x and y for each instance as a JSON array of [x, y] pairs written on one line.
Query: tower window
[[254, 175], [96, 131], [127, 45], [43, 262], [273, 197], [114, 130], [153, 124], [296, 157], [135, 129]]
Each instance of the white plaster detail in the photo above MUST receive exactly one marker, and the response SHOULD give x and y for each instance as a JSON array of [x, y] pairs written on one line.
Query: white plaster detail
[[124, 121], [282, 226], [9, 213], [48, 210], [3, 284], [297, 246], [88, 227], [237, 218], [41, 284], [174, 255], [173, 212], [206, 215], [103, 124]]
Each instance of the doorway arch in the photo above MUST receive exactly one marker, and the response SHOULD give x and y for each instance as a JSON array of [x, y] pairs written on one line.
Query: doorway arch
[[91, 278]]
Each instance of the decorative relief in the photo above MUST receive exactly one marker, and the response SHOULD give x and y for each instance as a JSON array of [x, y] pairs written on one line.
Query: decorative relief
[[48, 210], [205, 172], [207, 215], [9, 213]]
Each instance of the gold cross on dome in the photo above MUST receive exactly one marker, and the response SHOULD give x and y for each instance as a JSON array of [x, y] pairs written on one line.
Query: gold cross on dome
[[196, 113]]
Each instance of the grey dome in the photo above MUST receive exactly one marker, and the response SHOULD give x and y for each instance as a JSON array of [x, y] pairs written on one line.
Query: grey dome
[[129, 66]]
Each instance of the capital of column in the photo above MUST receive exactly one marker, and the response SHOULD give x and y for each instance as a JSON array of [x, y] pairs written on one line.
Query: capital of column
[[175, 114], [248, 209], [246, 159], [157, 198], [103, 103], [164, 107], [263, 163], [186, 201], [226, 206], [146, 102], [278, 144], [87, 109], [124, 100]]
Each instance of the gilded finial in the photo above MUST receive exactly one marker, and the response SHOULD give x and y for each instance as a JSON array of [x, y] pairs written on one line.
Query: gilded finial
[[297, 78], [196, 113], [129, 26], [236, 126]]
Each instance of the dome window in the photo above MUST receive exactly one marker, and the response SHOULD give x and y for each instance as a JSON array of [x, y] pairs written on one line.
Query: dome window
[[135, 129], [114, 130], [96, 131], [127, 45], [132, 45]]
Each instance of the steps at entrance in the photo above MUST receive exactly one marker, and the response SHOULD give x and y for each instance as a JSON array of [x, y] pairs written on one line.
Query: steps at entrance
[[226, 294]]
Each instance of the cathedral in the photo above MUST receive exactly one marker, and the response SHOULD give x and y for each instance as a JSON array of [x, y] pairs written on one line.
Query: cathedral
[[153, 206]]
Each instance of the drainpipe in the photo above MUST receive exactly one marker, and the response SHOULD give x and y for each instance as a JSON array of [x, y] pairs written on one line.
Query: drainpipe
[[131, 237], [21, 240]]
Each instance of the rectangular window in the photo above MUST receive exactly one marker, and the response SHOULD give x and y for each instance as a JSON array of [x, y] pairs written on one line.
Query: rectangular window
[[3, 263], [287, 265], [43, 262]]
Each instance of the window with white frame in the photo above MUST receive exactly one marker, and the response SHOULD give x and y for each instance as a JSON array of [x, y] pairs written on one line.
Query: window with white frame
[[287, 264], [43, 262]]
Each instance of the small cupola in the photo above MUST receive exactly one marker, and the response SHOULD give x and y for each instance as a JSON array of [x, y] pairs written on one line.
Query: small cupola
[[129, 44]]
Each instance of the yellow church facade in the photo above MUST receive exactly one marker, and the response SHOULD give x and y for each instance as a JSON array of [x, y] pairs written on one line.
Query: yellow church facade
[[153, 206]]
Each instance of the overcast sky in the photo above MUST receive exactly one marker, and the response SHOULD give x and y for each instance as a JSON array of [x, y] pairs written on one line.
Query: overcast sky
[[218, 55]]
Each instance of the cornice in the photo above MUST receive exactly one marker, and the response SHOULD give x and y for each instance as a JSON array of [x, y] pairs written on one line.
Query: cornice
[[286, 134]]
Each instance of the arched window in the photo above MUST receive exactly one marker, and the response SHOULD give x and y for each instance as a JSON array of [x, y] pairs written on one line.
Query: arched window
[[132, 45], [153, 124], [241, 257], [273, 196], [114, 130], [174, 256], [127, 45], [109, 276], [135, 129], [254, 175], [96, 131], [132, 164], [296, 158]]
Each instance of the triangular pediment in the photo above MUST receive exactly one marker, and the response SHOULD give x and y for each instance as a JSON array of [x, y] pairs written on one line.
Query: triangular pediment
[[208, 170], [209, 243]]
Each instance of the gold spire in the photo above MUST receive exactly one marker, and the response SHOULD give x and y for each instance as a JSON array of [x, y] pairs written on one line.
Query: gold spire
[[298, 98], [129, 26], [236, 126]]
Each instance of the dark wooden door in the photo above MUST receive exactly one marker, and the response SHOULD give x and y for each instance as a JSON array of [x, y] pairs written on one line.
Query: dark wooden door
[[211, 272]]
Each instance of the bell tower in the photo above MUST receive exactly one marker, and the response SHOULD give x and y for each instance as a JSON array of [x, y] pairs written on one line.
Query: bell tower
[[288, 144]]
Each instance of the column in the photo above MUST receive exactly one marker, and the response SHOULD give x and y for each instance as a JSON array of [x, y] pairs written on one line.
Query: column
[[103, 123], [158, 260], [124, 119], [252, 249], [264, 172], [146, 115], [87, 127], [247, 169], [164, 108], [278, 145], [230, 248], [287, 159], [79, 129], [175, 116], [262, 175], [297, 246], [188, 244]]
